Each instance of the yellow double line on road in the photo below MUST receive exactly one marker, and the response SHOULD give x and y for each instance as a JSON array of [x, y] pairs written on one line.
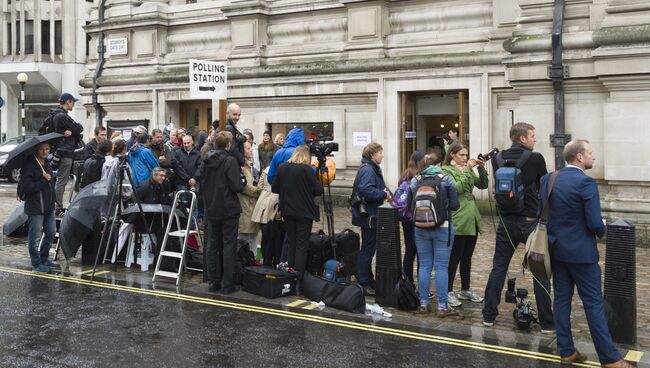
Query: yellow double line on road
[[305, 317]]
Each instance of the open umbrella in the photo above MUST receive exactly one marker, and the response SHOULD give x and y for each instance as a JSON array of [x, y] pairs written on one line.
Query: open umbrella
[[18, 155]]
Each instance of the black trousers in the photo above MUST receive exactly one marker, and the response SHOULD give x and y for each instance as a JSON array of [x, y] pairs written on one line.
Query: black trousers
[[272, 239], [410, 250], [461, 253], [221, 251], [298, 230]]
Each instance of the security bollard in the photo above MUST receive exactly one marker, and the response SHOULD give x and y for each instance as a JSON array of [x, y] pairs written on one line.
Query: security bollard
[[388, 268], [620, 282]]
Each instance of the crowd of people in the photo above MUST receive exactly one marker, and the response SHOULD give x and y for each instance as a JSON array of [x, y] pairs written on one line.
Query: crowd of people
[[245, 187]]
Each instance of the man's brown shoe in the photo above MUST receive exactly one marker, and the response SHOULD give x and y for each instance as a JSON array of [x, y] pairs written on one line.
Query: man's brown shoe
[[619, 364], [576, 357]]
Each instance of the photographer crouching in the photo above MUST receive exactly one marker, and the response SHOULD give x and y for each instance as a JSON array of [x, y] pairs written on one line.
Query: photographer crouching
[[368, 193]]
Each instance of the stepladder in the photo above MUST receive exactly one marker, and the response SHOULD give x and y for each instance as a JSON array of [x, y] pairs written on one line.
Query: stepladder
[[182, 224]]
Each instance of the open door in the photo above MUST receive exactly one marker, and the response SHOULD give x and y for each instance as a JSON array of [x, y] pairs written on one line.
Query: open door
[[409, 128]]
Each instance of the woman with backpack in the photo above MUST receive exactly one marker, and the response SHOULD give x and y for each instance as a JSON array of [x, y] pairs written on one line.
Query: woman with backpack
[[433, 198], [467, 220], [400, 201]]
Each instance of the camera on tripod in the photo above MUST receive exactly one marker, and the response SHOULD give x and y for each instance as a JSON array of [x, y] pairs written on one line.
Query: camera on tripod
[[523, 314], [321, 148]]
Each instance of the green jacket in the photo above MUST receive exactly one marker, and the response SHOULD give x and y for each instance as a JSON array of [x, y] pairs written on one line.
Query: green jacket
[[467, 220]]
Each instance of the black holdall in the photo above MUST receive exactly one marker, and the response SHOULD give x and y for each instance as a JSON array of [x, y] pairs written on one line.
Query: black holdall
[[407, 298], [348, 297], [268, 282], [348, 244]]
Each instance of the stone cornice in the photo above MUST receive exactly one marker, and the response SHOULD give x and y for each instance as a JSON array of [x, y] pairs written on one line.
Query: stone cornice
[[179, 74], [610, 36]]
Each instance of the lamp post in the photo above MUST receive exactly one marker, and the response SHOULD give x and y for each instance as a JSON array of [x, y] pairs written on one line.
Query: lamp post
[[22, 79]]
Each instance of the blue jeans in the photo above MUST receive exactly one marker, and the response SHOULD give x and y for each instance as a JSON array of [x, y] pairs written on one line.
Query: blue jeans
[[40, 224], [367, 252], [434, 249], [516, 229]]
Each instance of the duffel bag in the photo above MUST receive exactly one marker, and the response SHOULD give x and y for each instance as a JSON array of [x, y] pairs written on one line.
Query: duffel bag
[[343, 296], [268, 282]]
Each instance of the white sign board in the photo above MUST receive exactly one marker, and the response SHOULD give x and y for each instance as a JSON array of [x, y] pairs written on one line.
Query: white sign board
[[361, 139], [410, 134], [118, 46], [208, 80]]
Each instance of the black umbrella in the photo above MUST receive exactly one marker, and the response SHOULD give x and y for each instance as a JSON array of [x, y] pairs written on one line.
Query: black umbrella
[[18, 155]]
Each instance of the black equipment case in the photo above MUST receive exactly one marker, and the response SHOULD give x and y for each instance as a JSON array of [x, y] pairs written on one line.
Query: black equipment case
[[268, 282]]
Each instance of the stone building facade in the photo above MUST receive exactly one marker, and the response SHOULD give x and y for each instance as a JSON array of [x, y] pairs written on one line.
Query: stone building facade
[[396, 72], [44, 39]]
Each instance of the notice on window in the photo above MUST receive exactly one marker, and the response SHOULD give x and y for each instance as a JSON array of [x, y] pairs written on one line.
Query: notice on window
[[361, 139]]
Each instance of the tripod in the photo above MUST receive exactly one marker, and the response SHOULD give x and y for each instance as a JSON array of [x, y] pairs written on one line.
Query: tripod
[[115, 208], [327, 200]]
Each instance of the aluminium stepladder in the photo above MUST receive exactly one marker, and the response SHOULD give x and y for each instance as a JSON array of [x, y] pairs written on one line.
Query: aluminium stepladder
[[182, 233]]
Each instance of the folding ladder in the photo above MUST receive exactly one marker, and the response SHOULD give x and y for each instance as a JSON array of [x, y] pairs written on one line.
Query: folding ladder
[[182, 233]]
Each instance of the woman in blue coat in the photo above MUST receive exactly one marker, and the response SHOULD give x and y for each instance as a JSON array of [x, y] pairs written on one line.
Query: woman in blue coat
[[369, 192]]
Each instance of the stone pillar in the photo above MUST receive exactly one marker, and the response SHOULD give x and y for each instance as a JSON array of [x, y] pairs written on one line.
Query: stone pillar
[[248, 29]]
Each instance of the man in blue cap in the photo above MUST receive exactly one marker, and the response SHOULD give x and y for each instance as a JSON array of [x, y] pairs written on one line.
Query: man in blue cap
[[71, 131]]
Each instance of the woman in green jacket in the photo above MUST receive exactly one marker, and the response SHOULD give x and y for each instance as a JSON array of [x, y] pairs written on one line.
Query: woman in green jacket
[[467, 220]]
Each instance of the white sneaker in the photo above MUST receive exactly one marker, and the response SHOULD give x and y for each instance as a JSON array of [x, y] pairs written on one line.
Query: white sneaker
[[452, 300], [470, 295]]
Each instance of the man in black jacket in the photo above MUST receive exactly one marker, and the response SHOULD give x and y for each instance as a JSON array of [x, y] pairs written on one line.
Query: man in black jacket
[[92, 169], [100, 136], [220, 182], [36, 183], [186, 163], [71, 131], [515, 227], [157, 189], [233, 113]]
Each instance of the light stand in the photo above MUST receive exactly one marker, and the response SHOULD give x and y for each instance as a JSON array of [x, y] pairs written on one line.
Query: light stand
[[22, 79]]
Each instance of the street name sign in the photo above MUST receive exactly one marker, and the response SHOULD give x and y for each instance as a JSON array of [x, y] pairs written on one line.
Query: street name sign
[[208, 79]]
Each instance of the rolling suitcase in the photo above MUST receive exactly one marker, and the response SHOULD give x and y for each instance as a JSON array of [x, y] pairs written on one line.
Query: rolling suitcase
[[319, 252], [348, 244], [268, 282]]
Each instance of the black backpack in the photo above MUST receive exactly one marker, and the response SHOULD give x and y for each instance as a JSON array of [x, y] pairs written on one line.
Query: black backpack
[[428, 206], [48, 125], [407, 298], [509, 191], [244, 259]]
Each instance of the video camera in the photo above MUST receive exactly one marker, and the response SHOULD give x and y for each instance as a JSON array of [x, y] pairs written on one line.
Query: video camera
[[320, 147], [523, 314]]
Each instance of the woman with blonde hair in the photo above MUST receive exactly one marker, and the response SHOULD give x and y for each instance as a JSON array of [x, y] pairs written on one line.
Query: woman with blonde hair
[[279, 140], [297, 185]]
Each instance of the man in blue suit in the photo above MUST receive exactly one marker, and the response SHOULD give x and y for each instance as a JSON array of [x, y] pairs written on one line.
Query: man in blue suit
[[574, 221]]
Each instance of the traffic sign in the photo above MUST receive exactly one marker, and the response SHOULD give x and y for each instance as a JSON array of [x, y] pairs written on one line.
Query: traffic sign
[[208, 79]]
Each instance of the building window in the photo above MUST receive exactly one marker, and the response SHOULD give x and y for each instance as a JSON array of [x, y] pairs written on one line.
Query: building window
[[87, 41], [58, 38], [9, 39], [17, 38], [45, 36], [29, 37]]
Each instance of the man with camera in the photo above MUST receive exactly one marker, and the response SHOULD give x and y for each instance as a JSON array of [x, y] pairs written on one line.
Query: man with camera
[[574, 222], [517, 211], [64, 150]]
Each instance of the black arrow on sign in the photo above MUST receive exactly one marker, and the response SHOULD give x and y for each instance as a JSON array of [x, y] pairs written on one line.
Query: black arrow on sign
[[202, 88]]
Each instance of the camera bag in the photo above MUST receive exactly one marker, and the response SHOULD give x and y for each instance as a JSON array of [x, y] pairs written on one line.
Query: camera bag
[[536, 257], [268, 282], [318, 253], [407, 298], [348, 244], [348, 297]]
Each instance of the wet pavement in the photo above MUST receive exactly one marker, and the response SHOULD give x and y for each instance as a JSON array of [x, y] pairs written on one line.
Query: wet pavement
[[168, 313], [57, 323]]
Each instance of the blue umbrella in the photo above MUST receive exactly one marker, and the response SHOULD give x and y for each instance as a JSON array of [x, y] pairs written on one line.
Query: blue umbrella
[[18, 155]]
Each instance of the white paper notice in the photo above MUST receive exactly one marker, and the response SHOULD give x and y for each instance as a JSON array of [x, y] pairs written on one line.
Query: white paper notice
[[361, 139]]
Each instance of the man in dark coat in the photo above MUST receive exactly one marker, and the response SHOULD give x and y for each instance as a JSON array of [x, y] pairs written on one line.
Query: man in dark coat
[[156, 190], [71, 131], [220, 176], [100, 136], [186, 163], [37, 187], [92, 169]]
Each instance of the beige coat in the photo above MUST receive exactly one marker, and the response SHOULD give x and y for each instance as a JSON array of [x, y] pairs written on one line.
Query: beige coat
[[266, 206], [247, 199]]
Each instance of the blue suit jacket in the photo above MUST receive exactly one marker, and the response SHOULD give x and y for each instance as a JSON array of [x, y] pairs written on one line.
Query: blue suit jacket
[[574, 219]]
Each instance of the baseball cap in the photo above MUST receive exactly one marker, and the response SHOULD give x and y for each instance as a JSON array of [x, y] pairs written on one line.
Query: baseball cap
[[140, 129], [67, 97]]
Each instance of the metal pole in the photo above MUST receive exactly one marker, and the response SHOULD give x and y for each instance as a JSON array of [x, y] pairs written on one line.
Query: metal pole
[[558, 72], [22, 98]]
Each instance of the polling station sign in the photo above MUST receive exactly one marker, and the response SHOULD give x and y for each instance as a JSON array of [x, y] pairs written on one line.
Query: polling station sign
[[208, 79]]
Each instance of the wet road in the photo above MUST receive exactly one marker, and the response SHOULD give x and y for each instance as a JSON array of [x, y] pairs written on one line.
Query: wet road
[[55, 323]]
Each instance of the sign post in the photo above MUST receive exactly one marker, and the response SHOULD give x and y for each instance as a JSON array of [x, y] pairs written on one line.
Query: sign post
[[209, 80]]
